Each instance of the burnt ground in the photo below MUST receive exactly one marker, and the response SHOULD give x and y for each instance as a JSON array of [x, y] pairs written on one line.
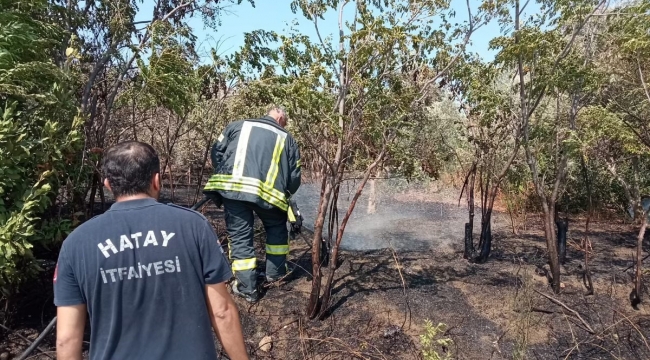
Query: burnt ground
[[382, 297]]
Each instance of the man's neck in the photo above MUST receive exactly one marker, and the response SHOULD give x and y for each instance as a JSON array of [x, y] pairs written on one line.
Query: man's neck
[[133, 197], [273, 120]]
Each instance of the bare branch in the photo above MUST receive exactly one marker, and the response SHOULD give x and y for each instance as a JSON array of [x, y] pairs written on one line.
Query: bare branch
[[524, 111], [563, 54], [558, 302], [341, 35], [611, 167], [320, 38], [99, 66], [317, 149], [521, 11], [645, 87], [8, 330]]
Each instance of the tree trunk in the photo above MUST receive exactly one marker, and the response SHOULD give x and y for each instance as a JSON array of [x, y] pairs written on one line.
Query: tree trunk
[[486, 222], [189, 184], [200, 176], [469, 241], [333, 223], [171, 182], [326, 190], [636, 296], [102, 197], [586, 243], [164, 172], [93, 191], [586, 277], [512, 211], [486, 237], [469, 227], [327, 292], [328, 185], [333, 212], [562, 228], [325, 250], [551, 244], [133, 122]]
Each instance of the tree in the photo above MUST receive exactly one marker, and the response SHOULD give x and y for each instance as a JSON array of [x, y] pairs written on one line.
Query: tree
[[39, 134], [71, 74], [168, 85], [352, 99], [616, 130], [494, 131], [109, 43], [627, 95], [607, 137], [542, 51]]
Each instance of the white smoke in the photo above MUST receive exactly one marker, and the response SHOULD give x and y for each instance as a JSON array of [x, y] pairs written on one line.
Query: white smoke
[[407, 217]]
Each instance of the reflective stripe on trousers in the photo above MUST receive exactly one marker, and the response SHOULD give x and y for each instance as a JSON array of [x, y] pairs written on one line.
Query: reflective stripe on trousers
[[244, 264], [277, 249]]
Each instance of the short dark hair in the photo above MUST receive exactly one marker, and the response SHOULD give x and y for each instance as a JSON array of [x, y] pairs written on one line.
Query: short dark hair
[[129, 167]]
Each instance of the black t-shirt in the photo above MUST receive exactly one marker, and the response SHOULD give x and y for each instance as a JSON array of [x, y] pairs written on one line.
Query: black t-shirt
[[141, 269]]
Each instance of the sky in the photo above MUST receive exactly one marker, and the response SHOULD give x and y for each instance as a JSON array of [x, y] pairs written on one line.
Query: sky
[[276, 15]]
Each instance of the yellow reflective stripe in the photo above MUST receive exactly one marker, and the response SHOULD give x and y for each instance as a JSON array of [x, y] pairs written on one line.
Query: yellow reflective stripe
[[275, 161], [251, 190], [247, 181], [229, 183], [237, 186], [290, 214], [244, 264], [298, 163], [220, 138], [277, 249], [249, 185]]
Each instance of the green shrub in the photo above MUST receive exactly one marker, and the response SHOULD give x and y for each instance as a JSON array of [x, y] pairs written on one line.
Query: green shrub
[[38, 133], [432, 343]]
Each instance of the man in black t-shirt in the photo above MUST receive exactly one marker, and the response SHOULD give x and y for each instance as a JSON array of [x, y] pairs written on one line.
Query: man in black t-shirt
[[151, 277]]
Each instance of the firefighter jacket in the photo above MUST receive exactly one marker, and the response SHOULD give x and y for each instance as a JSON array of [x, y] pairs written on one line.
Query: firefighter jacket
[[256, 160]]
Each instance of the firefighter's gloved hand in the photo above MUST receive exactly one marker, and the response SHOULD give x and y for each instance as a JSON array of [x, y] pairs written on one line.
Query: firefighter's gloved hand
[[295, 219], [297, 225], [215, 197], [296, 228]]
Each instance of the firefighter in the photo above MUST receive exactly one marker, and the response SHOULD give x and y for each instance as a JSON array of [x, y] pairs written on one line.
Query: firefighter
[[257, 169]]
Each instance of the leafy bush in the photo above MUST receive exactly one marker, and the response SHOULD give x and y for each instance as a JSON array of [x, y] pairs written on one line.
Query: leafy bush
[[431, 343], [38, 133]]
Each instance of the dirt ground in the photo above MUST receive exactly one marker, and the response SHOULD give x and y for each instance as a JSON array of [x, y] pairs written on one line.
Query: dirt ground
[[503, 309]]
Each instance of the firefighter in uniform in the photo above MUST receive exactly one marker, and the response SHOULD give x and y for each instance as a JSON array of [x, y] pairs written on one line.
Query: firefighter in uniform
[[257, 169]]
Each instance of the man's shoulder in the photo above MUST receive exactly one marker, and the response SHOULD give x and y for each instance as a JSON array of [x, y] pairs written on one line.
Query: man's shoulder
[[291, 140], [103, 220], [267, 121], [88, 227], [236, 124]]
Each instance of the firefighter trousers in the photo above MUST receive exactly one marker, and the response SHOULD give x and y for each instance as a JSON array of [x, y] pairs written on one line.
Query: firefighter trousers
[[239, 223]]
